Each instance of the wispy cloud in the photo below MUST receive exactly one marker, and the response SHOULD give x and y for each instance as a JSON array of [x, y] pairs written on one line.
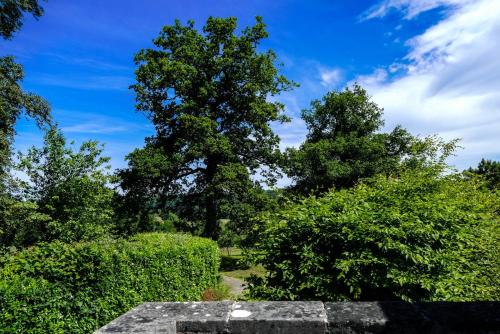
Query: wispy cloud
[[102, 82], [95, 128], [87, 62], [450, 81], [77, 122], [410, 8], [119, 135]]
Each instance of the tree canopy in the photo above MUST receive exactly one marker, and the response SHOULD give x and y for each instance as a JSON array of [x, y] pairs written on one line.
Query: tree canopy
[[343, 143], [208, 96]]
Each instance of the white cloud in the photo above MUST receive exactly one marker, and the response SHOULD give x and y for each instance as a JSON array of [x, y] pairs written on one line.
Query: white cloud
[[410, 8], [330, 76], [377, 77], [450, 84]]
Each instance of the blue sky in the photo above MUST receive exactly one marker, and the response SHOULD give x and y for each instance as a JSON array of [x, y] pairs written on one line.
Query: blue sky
[[432, 64]]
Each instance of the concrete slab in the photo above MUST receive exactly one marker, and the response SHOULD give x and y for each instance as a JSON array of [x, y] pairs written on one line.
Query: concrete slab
[[278, 317], [168, 318], [143, 319], [200, 317]]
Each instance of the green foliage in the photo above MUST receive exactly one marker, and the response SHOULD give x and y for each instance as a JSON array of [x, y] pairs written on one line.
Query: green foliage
[[69, 186], [228, 236], [13, 102], [207, 93], [166, 224], [490, 170], [11, 15], [63, 288], [421, 237], [21, 223], [343, 144]]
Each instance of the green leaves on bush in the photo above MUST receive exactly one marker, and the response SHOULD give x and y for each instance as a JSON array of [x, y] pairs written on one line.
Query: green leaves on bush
[[417, 237], [62, 288]]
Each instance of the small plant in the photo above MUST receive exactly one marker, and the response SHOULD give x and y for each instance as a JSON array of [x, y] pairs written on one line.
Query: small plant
[[217, 293]]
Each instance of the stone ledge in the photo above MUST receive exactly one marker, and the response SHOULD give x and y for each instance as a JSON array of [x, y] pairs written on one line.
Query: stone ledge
[[308, 317]]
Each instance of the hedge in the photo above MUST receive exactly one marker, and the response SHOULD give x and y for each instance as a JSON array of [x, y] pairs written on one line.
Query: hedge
[[76, 288], [418, 237]]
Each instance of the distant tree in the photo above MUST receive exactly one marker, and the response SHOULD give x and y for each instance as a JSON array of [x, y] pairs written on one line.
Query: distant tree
[[69, 186], [343, 143], [12, 12], [490, 170], [207, 95]]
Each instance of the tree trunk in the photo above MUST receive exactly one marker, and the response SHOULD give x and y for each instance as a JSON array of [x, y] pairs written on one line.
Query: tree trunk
[[211, 228]]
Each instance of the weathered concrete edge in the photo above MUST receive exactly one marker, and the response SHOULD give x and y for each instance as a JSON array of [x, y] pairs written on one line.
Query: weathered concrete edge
[[295, 317], [221, 317], [134, 320]]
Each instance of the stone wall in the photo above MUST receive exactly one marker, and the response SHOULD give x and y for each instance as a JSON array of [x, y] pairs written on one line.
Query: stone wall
[[308, 317]]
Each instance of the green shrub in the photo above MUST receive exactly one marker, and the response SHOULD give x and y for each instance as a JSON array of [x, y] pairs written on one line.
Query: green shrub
[[418, 237], [76, 288]]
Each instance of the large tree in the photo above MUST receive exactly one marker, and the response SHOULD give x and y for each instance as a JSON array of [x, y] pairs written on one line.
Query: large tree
[[208, 96], [344, 143]]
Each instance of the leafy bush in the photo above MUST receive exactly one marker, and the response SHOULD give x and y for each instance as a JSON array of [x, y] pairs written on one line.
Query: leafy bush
[[62, 288], [21, 223], [421, 236]]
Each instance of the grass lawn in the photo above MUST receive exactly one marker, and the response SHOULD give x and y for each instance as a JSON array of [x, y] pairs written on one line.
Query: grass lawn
[[232, 266]]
